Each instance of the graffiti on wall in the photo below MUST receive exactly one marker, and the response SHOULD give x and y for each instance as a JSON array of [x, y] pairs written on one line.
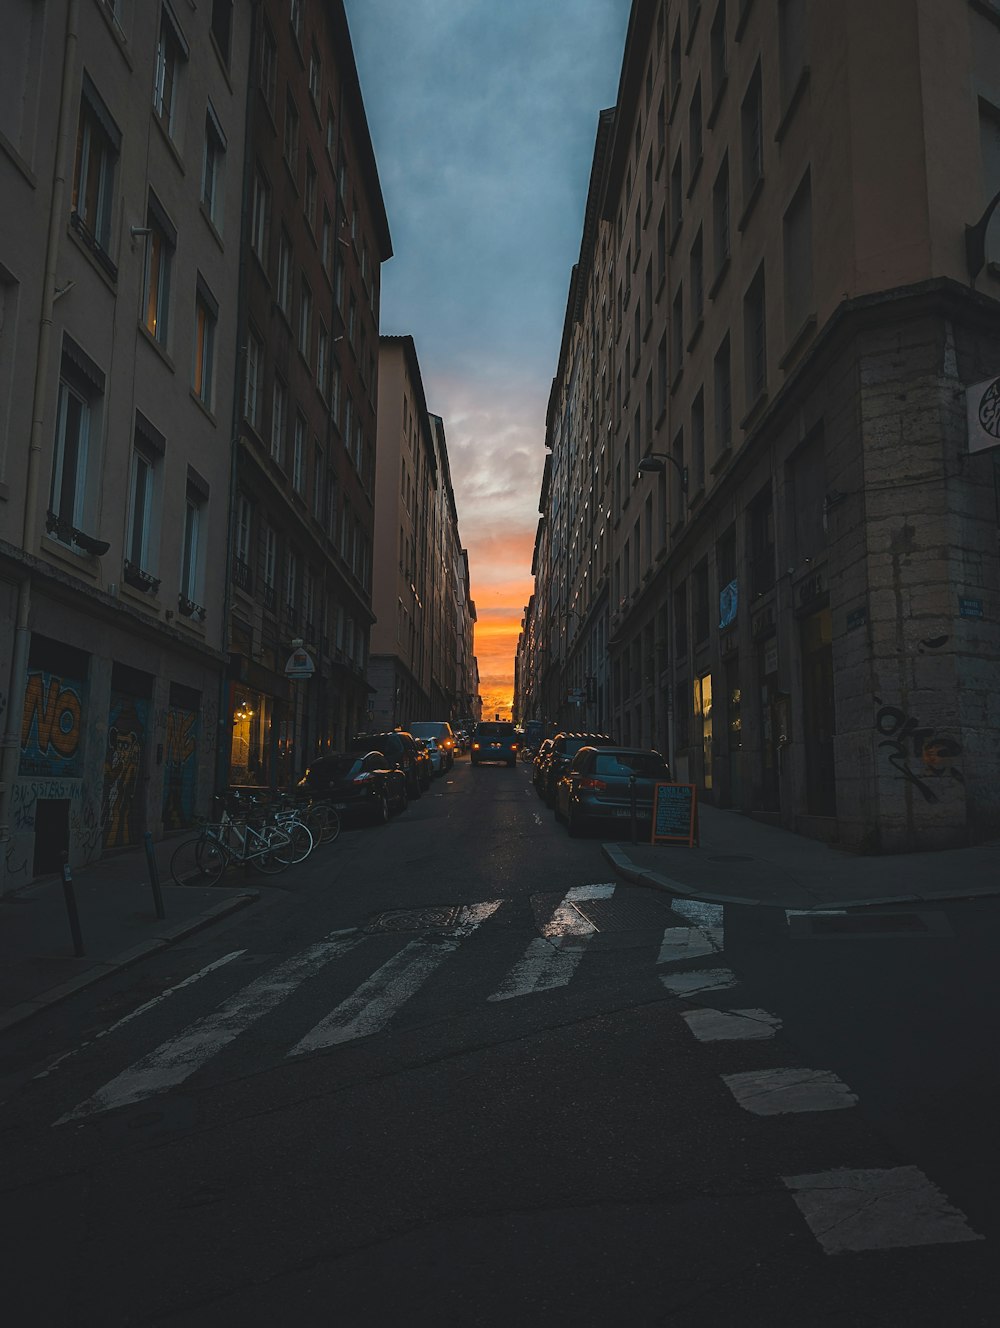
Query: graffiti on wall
[[920, 754], [124, 762], [51, 725], [180, 767]]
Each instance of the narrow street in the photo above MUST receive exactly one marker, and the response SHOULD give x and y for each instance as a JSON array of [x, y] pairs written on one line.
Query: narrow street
[[453, 1071]]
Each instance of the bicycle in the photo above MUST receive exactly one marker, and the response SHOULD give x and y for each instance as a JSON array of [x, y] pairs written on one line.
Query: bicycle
[[224, 843]]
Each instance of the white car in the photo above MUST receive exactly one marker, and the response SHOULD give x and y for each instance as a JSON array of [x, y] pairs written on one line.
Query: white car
[[440, 731], [439, 762]]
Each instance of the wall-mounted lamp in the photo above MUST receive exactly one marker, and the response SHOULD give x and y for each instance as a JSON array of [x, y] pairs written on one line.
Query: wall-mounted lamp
[[654, 463]]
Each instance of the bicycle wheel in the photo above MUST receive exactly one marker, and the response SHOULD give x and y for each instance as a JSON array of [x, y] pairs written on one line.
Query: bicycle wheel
[[200, 861], [298, 845], [323, 822], [265, 857]]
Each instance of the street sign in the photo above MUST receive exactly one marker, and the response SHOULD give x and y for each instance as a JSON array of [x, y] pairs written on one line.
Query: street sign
[[300, 665]]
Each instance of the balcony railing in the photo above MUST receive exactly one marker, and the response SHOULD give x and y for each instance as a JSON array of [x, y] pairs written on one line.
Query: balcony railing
[[242, 576], [270, 597], [138, 579]]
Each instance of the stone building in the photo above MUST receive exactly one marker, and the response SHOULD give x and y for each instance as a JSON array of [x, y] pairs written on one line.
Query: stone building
[[121, 152], [315, 237], [422, 641], [761, 479]]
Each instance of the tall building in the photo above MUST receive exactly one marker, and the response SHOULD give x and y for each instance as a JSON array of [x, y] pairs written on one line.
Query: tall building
[[761, 480], [121, 151], [315, 237], [421, 654]]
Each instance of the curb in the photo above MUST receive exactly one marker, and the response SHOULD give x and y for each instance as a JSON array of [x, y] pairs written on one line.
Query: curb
[[655, 881], [104, 968]]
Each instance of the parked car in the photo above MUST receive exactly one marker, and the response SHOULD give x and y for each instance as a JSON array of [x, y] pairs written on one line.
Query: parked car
[[440, 731], [361, 786], [564, 747], [493, 740], [400, 750], [435, 755], [597, 786], [533, 732], [428, 765], [538, 764]]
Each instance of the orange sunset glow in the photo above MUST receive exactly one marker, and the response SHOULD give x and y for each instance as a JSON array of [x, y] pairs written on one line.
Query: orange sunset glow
[[500, 568]]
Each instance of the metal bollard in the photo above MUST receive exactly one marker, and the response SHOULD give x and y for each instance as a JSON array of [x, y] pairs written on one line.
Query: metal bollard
[[154, 876], [71, 910]]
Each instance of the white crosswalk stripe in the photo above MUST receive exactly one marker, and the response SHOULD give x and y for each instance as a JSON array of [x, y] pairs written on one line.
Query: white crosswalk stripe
[[551, 960], [375, 1002], [173, 1061]]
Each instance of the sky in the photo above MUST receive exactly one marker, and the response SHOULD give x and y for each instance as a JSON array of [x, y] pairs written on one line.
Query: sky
[[483, 116]]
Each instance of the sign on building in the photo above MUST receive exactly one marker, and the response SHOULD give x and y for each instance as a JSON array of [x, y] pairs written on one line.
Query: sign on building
[[983, 410]]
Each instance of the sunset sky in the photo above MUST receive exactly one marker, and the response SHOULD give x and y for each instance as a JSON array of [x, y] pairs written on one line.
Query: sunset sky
[[483, 118]]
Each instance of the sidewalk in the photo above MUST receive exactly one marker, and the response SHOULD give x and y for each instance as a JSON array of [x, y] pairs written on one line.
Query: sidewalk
[[118, 925], [741, 861]]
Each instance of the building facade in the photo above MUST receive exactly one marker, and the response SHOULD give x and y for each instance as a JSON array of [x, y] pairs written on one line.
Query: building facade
[[121, 150], [315, 237], [762, 385], [422, 641]]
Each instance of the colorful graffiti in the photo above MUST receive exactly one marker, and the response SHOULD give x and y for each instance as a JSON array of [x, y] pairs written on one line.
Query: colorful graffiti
[[51, 725], [180, 768], [124, 763], [909, 744]]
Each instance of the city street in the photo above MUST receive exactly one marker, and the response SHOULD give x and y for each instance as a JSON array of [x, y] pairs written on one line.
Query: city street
[[454, 1070]]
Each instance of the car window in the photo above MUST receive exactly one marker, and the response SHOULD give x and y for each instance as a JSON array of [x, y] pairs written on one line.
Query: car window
[[494, 730], [645, 764], [333, 767]]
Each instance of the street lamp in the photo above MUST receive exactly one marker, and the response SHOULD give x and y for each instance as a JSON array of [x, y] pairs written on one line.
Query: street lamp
[[653, 463]]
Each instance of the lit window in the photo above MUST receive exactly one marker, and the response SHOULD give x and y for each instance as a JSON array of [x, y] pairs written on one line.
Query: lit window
[[206, 317], [160, 244]]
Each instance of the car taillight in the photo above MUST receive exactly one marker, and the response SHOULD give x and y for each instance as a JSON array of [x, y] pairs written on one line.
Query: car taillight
[[513, 746], [595, 785], [475, 746]]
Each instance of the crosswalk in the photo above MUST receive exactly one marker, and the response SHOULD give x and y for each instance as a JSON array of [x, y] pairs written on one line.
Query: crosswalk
[[845, 1208]]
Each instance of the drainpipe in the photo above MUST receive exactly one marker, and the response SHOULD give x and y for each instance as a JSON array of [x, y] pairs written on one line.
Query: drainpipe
[[11, 740], [224, 734]]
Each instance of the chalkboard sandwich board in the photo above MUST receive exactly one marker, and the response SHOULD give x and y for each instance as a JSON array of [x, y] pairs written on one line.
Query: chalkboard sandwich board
[[675, 814]]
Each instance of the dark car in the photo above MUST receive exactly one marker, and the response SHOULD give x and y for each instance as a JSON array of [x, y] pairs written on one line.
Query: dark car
[[564, 747], [494, 741], [362, 786], [400, 750], [539, 763], [600, 782]]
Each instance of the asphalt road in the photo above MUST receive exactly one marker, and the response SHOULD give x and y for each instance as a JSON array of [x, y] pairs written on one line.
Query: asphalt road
[[450, 1071]]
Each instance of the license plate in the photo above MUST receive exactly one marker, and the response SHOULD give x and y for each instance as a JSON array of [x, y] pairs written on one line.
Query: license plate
[[621, 811]]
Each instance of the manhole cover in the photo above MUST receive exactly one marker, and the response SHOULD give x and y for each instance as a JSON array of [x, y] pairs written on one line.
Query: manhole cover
[[859, 926], [732, 857], [415, 919], [624, 914]]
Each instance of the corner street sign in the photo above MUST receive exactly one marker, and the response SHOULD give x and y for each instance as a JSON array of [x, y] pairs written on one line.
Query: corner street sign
[[300, 665], [983, 410]]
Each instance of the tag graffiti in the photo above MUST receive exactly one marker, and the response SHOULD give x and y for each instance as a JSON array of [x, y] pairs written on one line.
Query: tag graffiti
[[920, 755], [50, 725]]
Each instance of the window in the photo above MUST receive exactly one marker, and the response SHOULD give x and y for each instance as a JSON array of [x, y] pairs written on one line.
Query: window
[[680, 628], [299, 455], [719, 61], [138, 541], [695, 131], [171, 53], [81, 387], [677, 328], [206, 315], [676, 491], [720, 217], [662, 375], [279, 421], [295, 18], [222, 26], [315, 73], [723, 400], [326, 241], [697, 281], [260, 215], [697, 480], [805, 495], [284, 291], [212, 193], [798, 264], [254, 380], [754, 338], [268, 67], [661, 248], [761, 530], [191, 554], [305, 320], [270, 561], [331, 131], [675, 66], [700, 617], [244, 529], [676, 196], [292, 585], [322, 359], [309, 199], [792, 20], [751, 119], [160, 245], [98, 144], [352, 318], [291, 140], [317, 488]]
